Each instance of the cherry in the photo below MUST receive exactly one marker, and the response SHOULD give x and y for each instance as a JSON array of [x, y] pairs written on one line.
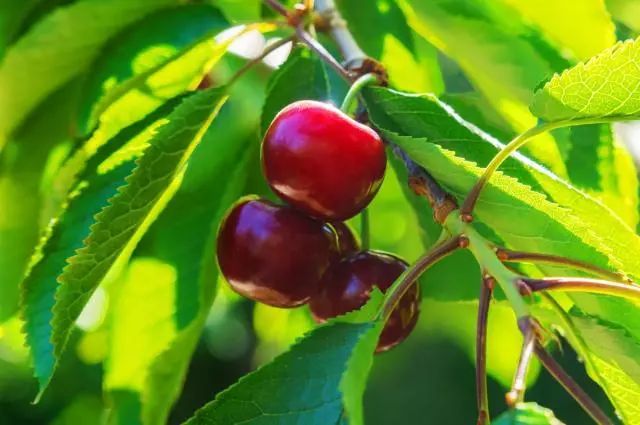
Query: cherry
[[321, 161], [273, 254], [347, 243], [347, 286]]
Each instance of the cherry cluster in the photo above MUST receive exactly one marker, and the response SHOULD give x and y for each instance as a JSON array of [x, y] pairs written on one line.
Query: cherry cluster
[[327, 167]]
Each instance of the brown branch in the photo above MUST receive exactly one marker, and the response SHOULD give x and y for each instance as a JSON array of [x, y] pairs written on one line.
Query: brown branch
[[278, 7], [415, 271], [337, 29], [577, 284], [486, 290], [571, 386], [323, 53], [269, 49], [423, 184], [533, 257]]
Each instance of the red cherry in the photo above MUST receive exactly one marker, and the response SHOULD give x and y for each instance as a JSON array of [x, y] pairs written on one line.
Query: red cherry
[[347, 243], [321, 161], [347, 286], [273, 254]]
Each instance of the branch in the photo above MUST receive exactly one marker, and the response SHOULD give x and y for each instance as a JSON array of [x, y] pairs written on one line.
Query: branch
[[269, 49], [577, 284], [319, 49], [486, 290], [423, 184], [353, 55], [571, 386], [532, 257], [278, 7], [420, 266]]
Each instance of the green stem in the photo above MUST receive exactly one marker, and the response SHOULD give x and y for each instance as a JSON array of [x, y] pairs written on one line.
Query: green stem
[[355, 89], [365, 233], [486, 257], [517, 143]]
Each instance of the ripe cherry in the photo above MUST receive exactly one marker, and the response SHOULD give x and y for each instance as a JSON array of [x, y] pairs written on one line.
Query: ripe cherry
[[347, 286], [321, 161], [273, 254], [347, 243]]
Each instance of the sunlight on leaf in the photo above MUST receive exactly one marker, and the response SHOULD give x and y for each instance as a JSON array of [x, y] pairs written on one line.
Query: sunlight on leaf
[[604, 87]]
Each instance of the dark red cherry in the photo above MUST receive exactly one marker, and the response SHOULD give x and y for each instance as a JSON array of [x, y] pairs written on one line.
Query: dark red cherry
[[273, 254], [347, 243], [347, 286], [321, 161]]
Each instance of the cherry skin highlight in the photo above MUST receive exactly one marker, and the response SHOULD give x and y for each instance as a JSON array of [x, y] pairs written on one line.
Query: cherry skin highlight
[[273, 254], [321, 161], [347, 243], [347, 286]]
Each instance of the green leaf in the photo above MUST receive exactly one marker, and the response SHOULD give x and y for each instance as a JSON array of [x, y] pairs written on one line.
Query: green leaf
[[382, 31], [302, 77], [118, 225], [596, 162], [240, 10], [154, 372], [599, 165], [137, 52], [603, 88], [609, 351], [147, 92], [627, 12], [58, 48], [454, 152], [32, 149], [503, 57], [588, 30], [579, 227], [63, 238], [303, 385], [12, 16], [527, 414]]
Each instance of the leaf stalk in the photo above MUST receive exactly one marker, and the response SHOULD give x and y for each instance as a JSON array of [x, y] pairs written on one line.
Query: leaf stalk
[[578, 284], [571, 386], [486, 291]]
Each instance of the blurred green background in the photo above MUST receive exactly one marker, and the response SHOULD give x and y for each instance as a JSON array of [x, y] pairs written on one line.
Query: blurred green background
[[428, 379]]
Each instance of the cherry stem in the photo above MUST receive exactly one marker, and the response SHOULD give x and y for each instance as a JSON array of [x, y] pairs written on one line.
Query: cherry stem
[[519, 385], [269, 49], [532, 257], [486, 291], [578, 284], [420, 181], [408, 278], [515, 144], [365, 233], [571, 386], [355, 89]]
